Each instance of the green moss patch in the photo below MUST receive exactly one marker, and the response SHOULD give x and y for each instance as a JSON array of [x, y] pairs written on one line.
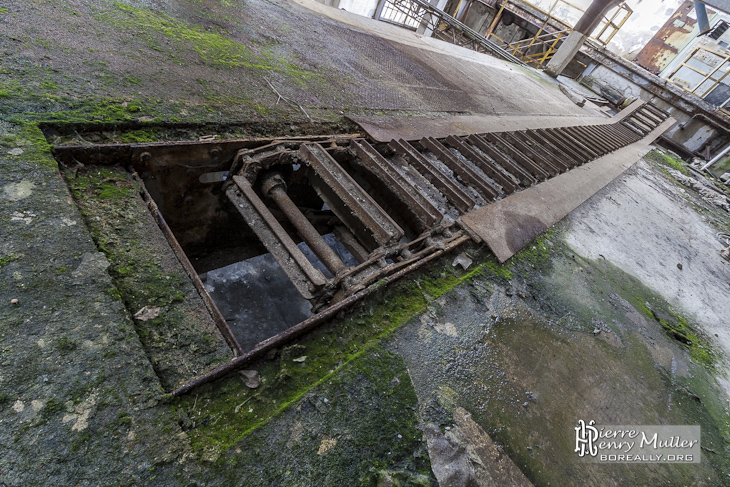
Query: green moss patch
[[210, 44], [353, 428], [233, 411], [181, 341], [667, 160]]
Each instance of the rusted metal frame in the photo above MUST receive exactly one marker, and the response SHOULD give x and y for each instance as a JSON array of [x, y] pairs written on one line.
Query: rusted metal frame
[[352, 205], [602, 131], [631, 123], [511, 168], [594, 147], [347, 239], [656, 110], [451, 191], [455, 240], [633, 128], [534, 156], [639, 123], [482, 163], [305, 326], [579, 139], [420, 208], [646, 120], [273, 186], [276, 341], [277, 241], [538, 147], [563, 138], [571, 158], [599, 144], [536, 171], [218, 319], [460, 169], [629, 136], [650, 115]]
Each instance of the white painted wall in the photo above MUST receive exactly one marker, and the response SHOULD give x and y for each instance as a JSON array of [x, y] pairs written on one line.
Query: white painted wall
[[365, 8]]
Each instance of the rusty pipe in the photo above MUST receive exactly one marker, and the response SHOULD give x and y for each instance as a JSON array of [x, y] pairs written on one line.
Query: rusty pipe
[[274, 187]]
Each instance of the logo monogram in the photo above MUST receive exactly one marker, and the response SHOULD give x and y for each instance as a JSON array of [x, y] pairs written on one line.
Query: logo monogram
[[585, 436]]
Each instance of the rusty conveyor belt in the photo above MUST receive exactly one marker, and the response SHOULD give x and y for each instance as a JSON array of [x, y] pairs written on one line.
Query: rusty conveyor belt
[[393, 204]]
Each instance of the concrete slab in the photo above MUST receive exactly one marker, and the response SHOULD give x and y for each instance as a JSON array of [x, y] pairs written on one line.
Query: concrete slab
[[508, 225]]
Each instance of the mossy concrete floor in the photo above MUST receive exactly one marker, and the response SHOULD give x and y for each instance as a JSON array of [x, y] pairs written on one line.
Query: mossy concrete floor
[[82, 384]]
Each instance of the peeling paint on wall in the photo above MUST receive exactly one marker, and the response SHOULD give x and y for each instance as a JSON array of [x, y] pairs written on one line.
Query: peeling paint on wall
[[674, 35]]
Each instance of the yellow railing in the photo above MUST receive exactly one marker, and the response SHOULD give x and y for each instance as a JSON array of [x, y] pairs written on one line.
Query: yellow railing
[[549, 42]]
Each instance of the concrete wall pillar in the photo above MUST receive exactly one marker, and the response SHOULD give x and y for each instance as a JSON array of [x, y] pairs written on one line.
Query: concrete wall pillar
[[587, 23], [565, 54]]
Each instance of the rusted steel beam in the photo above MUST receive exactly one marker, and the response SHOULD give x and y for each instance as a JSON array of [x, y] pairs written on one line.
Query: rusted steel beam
[[514, 170], [560, 140], [530, 152], [582, 139], [218, 318], [412, 202], [631, 125], [534, 169], [606, 135], [274, 187], [462, 170], [293, 262], [646, 120], [347, 239], [352, 205], [628, 136], [568, 157], [482, 163], [644, 111], [451, 191], [599, 144], [539, 148], [656, 110], [575, 141], [639, 123]]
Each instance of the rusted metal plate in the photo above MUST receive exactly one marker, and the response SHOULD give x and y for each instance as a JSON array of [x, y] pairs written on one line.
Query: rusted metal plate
[[300, 271], [675, 34], [357, 210], [385, 129], [508, 225]]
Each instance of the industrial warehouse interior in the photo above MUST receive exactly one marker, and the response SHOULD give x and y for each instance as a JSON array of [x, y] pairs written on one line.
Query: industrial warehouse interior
[[378, 243]]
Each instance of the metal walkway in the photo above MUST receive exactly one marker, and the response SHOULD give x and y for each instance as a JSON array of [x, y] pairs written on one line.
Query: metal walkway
[[393, 204]]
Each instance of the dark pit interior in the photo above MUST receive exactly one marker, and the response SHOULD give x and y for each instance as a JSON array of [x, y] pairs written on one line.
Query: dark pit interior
[[187, 182]]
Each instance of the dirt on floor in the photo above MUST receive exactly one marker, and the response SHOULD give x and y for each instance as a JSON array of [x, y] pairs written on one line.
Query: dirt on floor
[[595, 321]]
